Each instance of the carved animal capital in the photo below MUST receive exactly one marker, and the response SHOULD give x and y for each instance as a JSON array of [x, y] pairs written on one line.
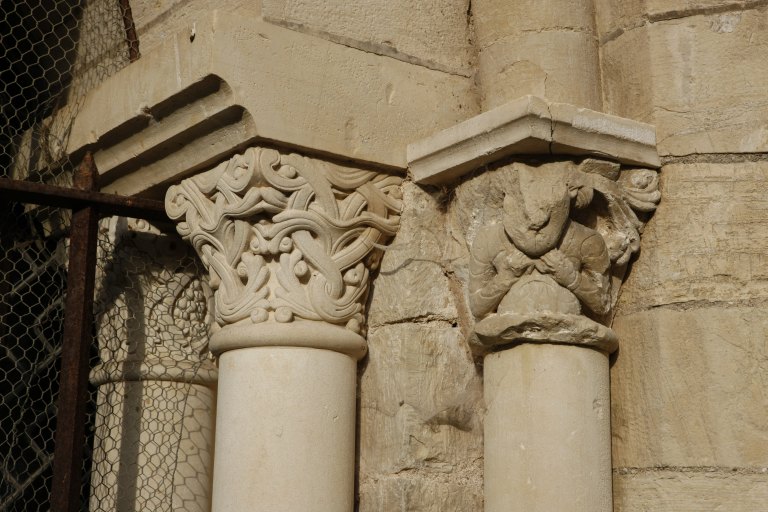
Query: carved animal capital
[[286, 240], [551, 268]]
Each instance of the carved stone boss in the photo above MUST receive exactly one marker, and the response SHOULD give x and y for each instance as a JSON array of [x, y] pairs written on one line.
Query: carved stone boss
[[549, 271], [289, 243]]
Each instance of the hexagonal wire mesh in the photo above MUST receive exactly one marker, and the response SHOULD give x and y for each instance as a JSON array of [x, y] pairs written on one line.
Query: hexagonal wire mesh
[[32, 285], [151, 411], [51, 53], [153, 427]]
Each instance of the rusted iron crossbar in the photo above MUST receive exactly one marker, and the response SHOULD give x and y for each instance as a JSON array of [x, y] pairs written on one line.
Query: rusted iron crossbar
[[87, 206], [130, 31], [78, 325], [107, 204]]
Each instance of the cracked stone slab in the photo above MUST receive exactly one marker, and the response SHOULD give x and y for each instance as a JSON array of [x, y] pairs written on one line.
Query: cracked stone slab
[[530, 126]]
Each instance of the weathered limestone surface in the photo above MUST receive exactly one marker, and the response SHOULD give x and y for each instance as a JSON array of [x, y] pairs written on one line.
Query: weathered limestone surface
[[689, 384], [690, 388], [158, 20], [617, 16], [410, 492], [676, 490], [413, 282], [676, 80], [431, 33], [420, 391], [707, 242], [547, 49], [434, 34], [420, 432]]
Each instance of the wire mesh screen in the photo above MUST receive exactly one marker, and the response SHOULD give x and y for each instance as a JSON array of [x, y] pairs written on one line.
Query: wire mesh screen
[[32, 284], [153, 434], [52, 52], [151, 416], [151, 410]]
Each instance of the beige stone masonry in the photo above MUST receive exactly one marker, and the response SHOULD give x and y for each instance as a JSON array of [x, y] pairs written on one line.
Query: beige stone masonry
[[530, 126], [543, 275], [698, 75], [546, 49], [228, 80]]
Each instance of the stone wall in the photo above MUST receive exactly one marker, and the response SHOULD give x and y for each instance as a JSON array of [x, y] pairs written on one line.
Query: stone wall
[[689, 385], [421, 393]]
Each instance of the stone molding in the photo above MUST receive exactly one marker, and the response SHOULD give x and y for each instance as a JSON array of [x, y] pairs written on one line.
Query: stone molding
[[530, 126], [289, 242], [230, 80]]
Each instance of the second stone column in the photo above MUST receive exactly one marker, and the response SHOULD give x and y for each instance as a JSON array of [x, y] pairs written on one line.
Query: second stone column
[[289, 242]]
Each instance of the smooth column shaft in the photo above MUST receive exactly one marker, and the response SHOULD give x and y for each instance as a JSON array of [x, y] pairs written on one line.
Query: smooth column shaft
[[153, 447], [285, 438], [547, 430], [547, 49]]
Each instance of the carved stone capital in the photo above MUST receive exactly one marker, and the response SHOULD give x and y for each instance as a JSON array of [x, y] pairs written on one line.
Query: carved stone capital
[[549, 268], [152, 310], [289, 242]]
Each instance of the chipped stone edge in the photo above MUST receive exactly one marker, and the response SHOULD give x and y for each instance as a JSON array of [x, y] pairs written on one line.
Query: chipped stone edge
[[533, 126]]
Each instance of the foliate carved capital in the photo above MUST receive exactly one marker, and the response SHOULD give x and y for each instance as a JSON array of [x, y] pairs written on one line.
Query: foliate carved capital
[[550, 268], [286, 238]]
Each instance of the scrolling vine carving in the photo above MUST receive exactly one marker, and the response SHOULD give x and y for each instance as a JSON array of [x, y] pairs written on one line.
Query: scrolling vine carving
[[285, 236]]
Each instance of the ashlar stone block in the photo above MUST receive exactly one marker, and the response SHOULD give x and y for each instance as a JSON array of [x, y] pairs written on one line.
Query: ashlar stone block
[[707, 241], [431, 33], [675, 80], [689, 388]]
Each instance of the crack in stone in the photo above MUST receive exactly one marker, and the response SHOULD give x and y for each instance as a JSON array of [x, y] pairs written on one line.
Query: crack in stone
[[367, 46], [676, 14], [692, 469]]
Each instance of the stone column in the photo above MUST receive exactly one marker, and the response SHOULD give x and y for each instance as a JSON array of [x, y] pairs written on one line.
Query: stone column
[[542, 48], [289, 242], [542, 281], [153, 440], [548, 240]]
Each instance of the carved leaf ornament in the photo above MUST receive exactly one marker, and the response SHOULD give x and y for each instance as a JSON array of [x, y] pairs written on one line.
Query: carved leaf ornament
[[286, 237], [637, 191]]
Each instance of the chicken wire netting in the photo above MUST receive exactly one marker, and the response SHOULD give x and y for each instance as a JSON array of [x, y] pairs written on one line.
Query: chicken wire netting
[[52, 52], [32, 285], [151, 385], [153, 426], [150, 411]]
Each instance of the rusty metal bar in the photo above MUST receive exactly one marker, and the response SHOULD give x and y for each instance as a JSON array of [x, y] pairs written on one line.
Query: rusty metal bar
[[78, 332], [130, 31], [107, 204]]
